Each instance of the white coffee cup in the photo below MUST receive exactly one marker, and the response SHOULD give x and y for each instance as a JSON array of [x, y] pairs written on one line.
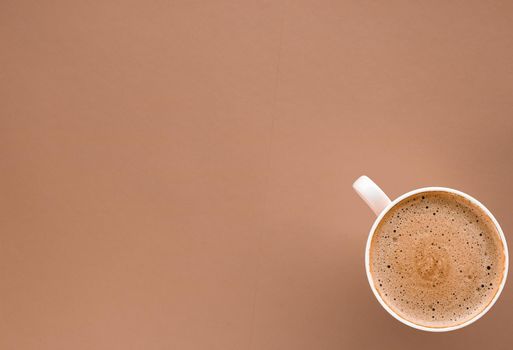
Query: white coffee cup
[[380, 204]]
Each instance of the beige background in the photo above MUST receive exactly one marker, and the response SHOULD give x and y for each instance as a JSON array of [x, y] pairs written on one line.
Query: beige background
[[177, 175]]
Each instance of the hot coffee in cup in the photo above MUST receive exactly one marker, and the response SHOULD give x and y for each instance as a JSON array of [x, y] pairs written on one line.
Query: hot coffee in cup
[[436, 258]]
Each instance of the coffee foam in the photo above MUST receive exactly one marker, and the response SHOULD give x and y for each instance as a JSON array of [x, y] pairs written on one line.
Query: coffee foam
[[436, 259]]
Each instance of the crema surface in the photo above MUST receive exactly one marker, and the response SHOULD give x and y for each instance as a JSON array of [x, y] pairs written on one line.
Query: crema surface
[[436, 259]]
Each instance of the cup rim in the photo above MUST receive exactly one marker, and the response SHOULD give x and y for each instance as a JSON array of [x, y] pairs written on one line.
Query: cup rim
[[367, 259]]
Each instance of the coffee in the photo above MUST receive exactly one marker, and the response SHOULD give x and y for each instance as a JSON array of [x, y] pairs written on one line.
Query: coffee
[[436, 259]]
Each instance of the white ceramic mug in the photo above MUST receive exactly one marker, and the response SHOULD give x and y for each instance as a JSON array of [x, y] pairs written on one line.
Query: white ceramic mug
[[379, 202]]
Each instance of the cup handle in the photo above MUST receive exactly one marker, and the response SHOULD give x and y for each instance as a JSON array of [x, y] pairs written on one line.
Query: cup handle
[[371, 194]]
